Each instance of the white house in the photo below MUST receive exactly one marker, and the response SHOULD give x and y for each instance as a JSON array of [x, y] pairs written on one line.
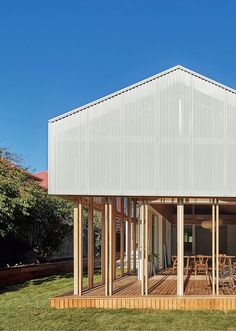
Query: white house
[[168, 145]]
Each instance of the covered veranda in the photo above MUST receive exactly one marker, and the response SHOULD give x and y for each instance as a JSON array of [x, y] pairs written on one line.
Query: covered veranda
[[177, 279]]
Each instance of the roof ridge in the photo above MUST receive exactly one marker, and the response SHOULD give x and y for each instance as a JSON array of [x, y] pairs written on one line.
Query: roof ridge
[[146, 80]]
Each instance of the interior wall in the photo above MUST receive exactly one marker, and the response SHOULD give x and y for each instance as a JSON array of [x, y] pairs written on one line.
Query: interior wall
[[173, 239], [161, 236], [168, 242], [231, 242], [164, 232], [203, 240], [164, 244]]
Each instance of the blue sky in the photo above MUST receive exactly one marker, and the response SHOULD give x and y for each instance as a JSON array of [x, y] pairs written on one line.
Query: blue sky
[[58, 55]]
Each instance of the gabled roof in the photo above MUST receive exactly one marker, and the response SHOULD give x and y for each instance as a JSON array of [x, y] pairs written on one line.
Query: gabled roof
[[145, 81]]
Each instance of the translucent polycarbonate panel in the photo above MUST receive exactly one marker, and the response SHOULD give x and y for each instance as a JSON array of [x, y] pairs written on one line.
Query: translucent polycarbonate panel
[[172, 136]]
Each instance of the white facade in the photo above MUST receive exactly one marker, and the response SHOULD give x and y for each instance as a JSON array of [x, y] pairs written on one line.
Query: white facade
[[171, 135]]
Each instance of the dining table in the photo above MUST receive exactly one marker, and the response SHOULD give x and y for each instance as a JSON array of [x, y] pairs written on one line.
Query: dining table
[[192, 258]]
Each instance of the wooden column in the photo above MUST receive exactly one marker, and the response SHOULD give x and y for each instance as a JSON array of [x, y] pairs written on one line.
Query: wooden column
[[114, 238], [213, 248], [143, 249], [150, 243], [217, 248], [194, 237], [156, 249], [90, 244], [103, 243], [146, 248], [180, 247], [122, 239], [134, 235], [193, 231], [160, 242], [76, 248], [106, 247], [129, 237], [111, 224], [81, 257]]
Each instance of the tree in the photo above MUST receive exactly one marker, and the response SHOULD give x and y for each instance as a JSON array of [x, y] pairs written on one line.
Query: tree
[[53, 216], [13, 158], [16, 199], [24, 205], [97, 223]]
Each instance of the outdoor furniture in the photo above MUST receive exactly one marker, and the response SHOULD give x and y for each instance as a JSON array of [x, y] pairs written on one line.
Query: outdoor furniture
[[229, 258], [201, 264], [174, 263], [187, 262], [226, 275], [226, 270], [190, 263], [222, 261], [234, 267]]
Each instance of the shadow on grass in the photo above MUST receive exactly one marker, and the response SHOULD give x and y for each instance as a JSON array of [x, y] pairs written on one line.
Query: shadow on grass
[[42, 280], [37, 281]]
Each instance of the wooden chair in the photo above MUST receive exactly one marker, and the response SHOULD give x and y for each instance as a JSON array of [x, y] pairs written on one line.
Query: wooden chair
[[174, 263], [234, 267], [187, 264], [226, 272], [201, 264], [222, 261], [226, 276]]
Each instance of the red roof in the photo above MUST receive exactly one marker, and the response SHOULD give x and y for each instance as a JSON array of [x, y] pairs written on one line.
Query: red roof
[[43, 177]]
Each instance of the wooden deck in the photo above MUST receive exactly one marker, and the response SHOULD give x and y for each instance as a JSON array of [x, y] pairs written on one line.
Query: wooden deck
[[162, 295]]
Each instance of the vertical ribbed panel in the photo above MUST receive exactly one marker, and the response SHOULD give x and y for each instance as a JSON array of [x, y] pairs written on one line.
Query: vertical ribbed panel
[[172, 136]]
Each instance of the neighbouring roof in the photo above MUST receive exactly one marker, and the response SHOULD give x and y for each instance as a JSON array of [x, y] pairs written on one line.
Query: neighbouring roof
[[43, 178]]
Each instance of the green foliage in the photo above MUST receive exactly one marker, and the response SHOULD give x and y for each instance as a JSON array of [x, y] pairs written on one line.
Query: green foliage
[[16, 198], [54, 219], [155, 256], [97, 228], [23, 204], [11, 157]]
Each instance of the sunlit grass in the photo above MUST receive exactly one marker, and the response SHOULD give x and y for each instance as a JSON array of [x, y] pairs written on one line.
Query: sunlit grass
[[25, 307]]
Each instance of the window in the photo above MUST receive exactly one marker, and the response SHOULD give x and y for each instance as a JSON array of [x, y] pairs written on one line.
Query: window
[[188, 240]]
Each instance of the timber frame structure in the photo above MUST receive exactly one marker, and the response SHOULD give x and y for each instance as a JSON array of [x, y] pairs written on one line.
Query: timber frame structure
[[164, 151], [112, 291]]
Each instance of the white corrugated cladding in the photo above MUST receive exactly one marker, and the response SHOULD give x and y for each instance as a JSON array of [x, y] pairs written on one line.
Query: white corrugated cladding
[[173, 135]]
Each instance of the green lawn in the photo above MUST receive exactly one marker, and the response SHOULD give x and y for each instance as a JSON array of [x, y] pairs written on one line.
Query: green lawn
[[25, 307]]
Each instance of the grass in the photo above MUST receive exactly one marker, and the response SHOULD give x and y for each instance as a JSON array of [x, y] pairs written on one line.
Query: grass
[[25, 307]]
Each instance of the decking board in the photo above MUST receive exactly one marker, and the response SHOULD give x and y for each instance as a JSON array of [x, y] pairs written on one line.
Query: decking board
[[162, 295]]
